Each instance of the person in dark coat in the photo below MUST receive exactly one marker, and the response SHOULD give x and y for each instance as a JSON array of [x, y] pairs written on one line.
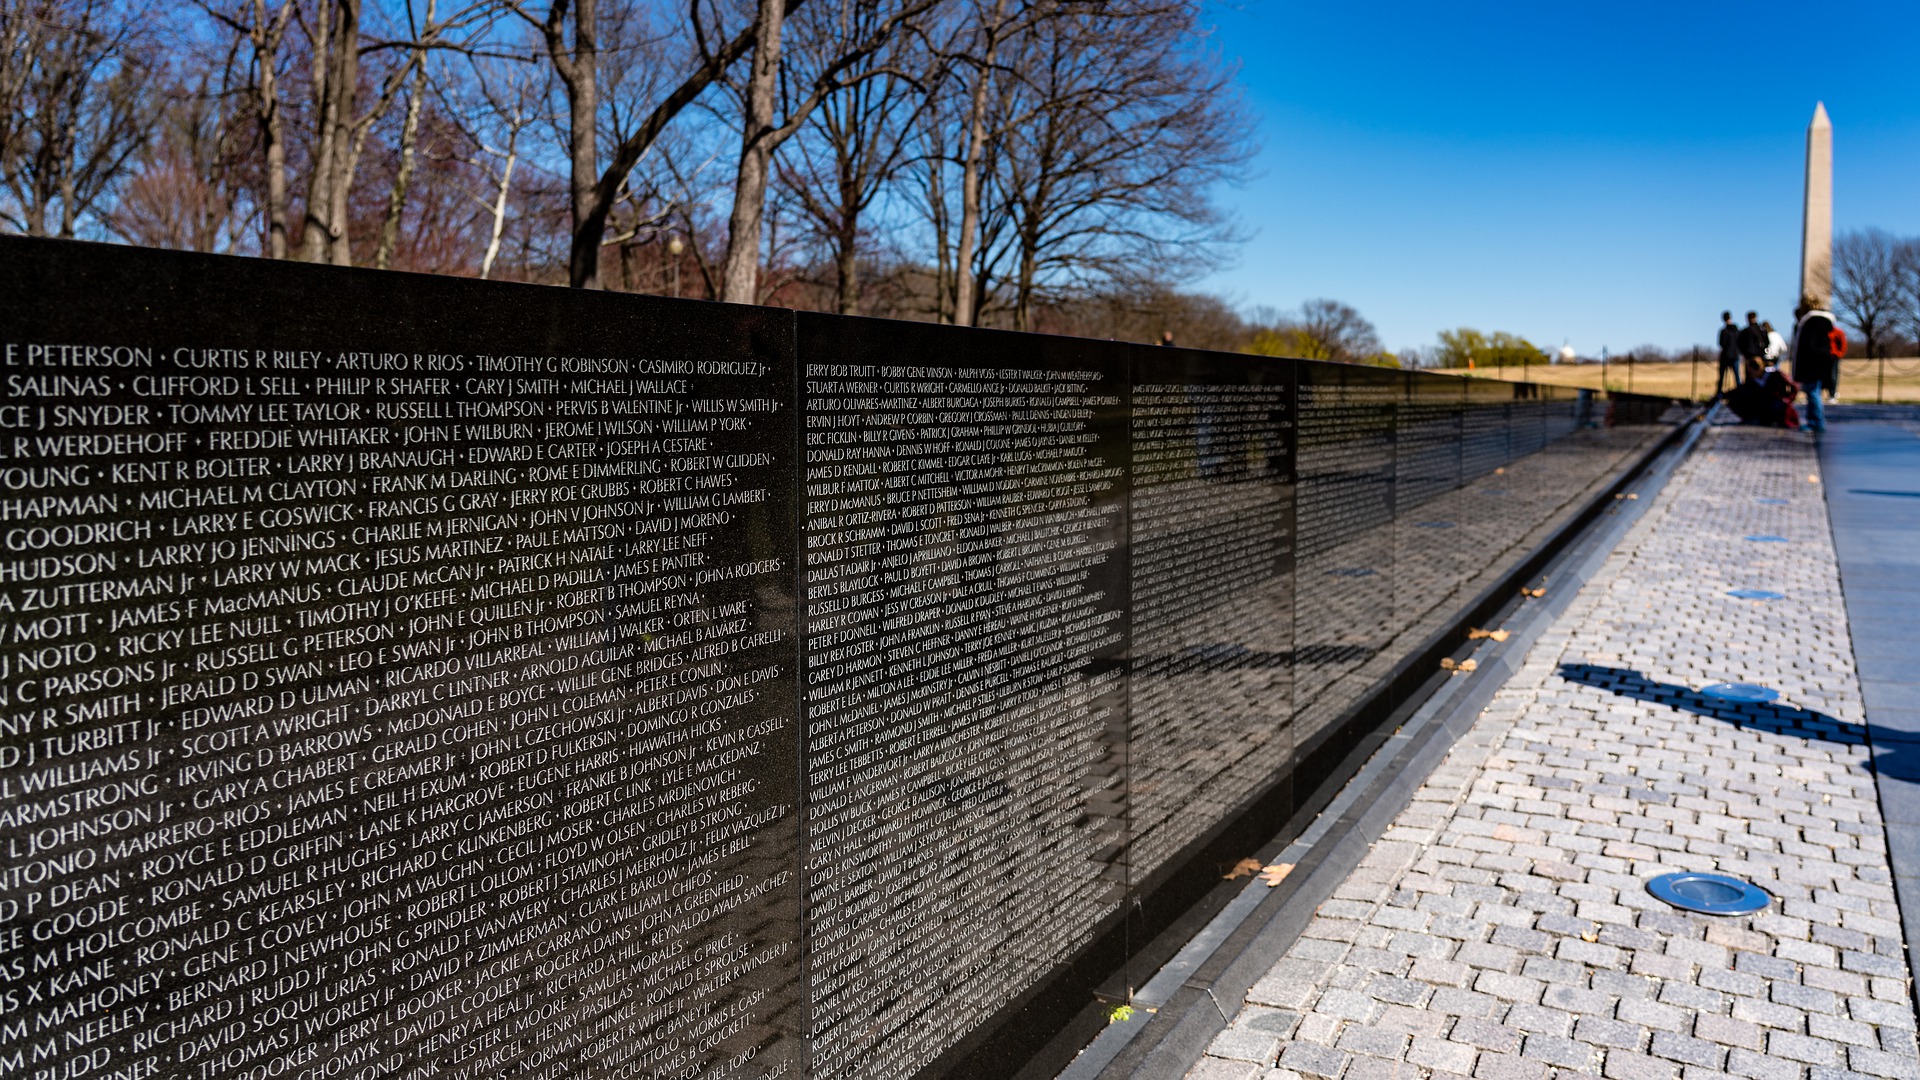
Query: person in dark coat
[[1815, 367], [1752, 341], [1729, 354]]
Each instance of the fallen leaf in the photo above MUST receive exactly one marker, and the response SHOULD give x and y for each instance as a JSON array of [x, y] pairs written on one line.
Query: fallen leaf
[[1243, 868], [1469, 665], [1277, 873], [1119, 1013], [1533, 592], [1589, 936], [1633, 496], [1448, 663], [1500, 635], [1813, 479], [1499, 472]]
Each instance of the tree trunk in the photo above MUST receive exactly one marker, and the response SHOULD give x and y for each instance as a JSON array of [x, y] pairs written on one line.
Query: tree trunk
[[500, 207], [740, 281], [336, 64], [581, 78], [965, 303], [846, 237], [847, 266], [1023, 293], [273, 136], [403, 175], [942, 241]]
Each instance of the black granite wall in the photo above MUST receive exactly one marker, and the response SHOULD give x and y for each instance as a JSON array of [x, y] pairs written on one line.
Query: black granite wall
[[410, 676]]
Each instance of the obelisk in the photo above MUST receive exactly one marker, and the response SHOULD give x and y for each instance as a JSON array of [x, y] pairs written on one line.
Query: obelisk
[[1816, 223]]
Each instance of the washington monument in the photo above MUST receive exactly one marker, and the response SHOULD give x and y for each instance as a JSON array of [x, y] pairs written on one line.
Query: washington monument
[[1816, 223]]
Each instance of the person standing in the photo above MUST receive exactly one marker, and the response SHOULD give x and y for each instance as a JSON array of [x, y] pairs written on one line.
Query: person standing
[[1776, 345], [1815, 366], [1729, 353], [1753, 343]]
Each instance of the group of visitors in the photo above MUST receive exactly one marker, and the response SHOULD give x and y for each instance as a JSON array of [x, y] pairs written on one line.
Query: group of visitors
[[1761, 392]]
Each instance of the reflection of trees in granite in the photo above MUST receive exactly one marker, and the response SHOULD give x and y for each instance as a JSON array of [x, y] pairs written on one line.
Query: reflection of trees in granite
[[1210, 545], [1236, 661], [964, 706], [1343, 597], [1496, 521], [1209, 718]]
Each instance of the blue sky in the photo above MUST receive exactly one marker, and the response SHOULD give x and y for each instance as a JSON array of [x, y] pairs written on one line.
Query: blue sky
[[1603, 174]]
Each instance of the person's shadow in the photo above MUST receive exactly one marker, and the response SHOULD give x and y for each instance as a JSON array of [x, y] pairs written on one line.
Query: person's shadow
[[1895, 758]]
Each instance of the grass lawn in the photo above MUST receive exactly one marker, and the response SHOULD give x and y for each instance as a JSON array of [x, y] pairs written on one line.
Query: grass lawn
[[1859, 379]]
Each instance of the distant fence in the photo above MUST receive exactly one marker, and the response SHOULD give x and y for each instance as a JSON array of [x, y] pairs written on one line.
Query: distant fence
[[409, 673]]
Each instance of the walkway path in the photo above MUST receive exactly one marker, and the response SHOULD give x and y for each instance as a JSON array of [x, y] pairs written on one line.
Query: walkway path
[[1500, 929]]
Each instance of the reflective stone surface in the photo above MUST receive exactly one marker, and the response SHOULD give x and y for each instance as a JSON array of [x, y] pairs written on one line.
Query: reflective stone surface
[[397, 677], [412, 676], [965, 697], [1346, 468], [1212, 651]]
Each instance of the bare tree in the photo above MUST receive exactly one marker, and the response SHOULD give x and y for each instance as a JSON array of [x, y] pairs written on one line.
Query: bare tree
[[337, 43], [1342, 331], [190, 189], [262, 29], [25, 29], [1907, 274], [994, 26], [856, 144], [839, 56], [573, 47], [493, 99], [77, 84], [1121, 127], [343, 52], [409, 139], [1867, 285], [1330, 330]]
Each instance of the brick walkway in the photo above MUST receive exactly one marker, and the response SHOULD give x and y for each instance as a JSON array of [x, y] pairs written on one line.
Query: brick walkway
[[1501, 928]]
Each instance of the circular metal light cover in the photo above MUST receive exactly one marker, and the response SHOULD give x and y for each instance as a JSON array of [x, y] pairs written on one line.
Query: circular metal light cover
[[1756, 594], [1767, 538], [1711, 894], [1746, 692]]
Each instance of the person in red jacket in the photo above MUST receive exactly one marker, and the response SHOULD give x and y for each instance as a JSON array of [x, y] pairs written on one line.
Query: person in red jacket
[[1815, 367]]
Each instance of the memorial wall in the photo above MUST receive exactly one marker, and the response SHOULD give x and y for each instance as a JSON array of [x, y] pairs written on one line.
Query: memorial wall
[[408, 676], [397, 679]]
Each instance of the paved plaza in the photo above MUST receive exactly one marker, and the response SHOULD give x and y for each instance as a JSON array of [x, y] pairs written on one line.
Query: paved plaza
[[1501, 928]]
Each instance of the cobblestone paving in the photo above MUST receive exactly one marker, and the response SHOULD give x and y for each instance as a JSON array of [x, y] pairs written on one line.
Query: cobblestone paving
[[1501, 928]]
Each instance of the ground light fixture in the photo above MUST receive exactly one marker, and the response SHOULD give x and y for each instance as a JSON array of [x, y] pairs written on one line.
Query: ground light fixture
[[1710, 894], [1745, 693]]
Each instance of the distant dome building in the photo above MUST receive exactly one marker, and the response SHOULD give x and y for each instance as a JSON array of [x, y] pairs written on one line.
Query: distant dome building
[[1565, 356]]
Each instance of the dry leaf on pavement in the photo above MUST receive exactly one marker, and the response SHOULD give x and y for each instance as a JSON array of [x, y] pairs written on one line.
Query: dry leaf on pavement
[[1243, 868], [1277, 873]]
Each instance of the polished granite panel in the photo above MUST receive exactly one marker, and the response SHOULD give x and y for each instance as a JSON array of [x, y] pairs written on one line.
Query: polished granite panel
[[965, 567], [1346, 465], [1212, 615], [414, 685], [418, 675]]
